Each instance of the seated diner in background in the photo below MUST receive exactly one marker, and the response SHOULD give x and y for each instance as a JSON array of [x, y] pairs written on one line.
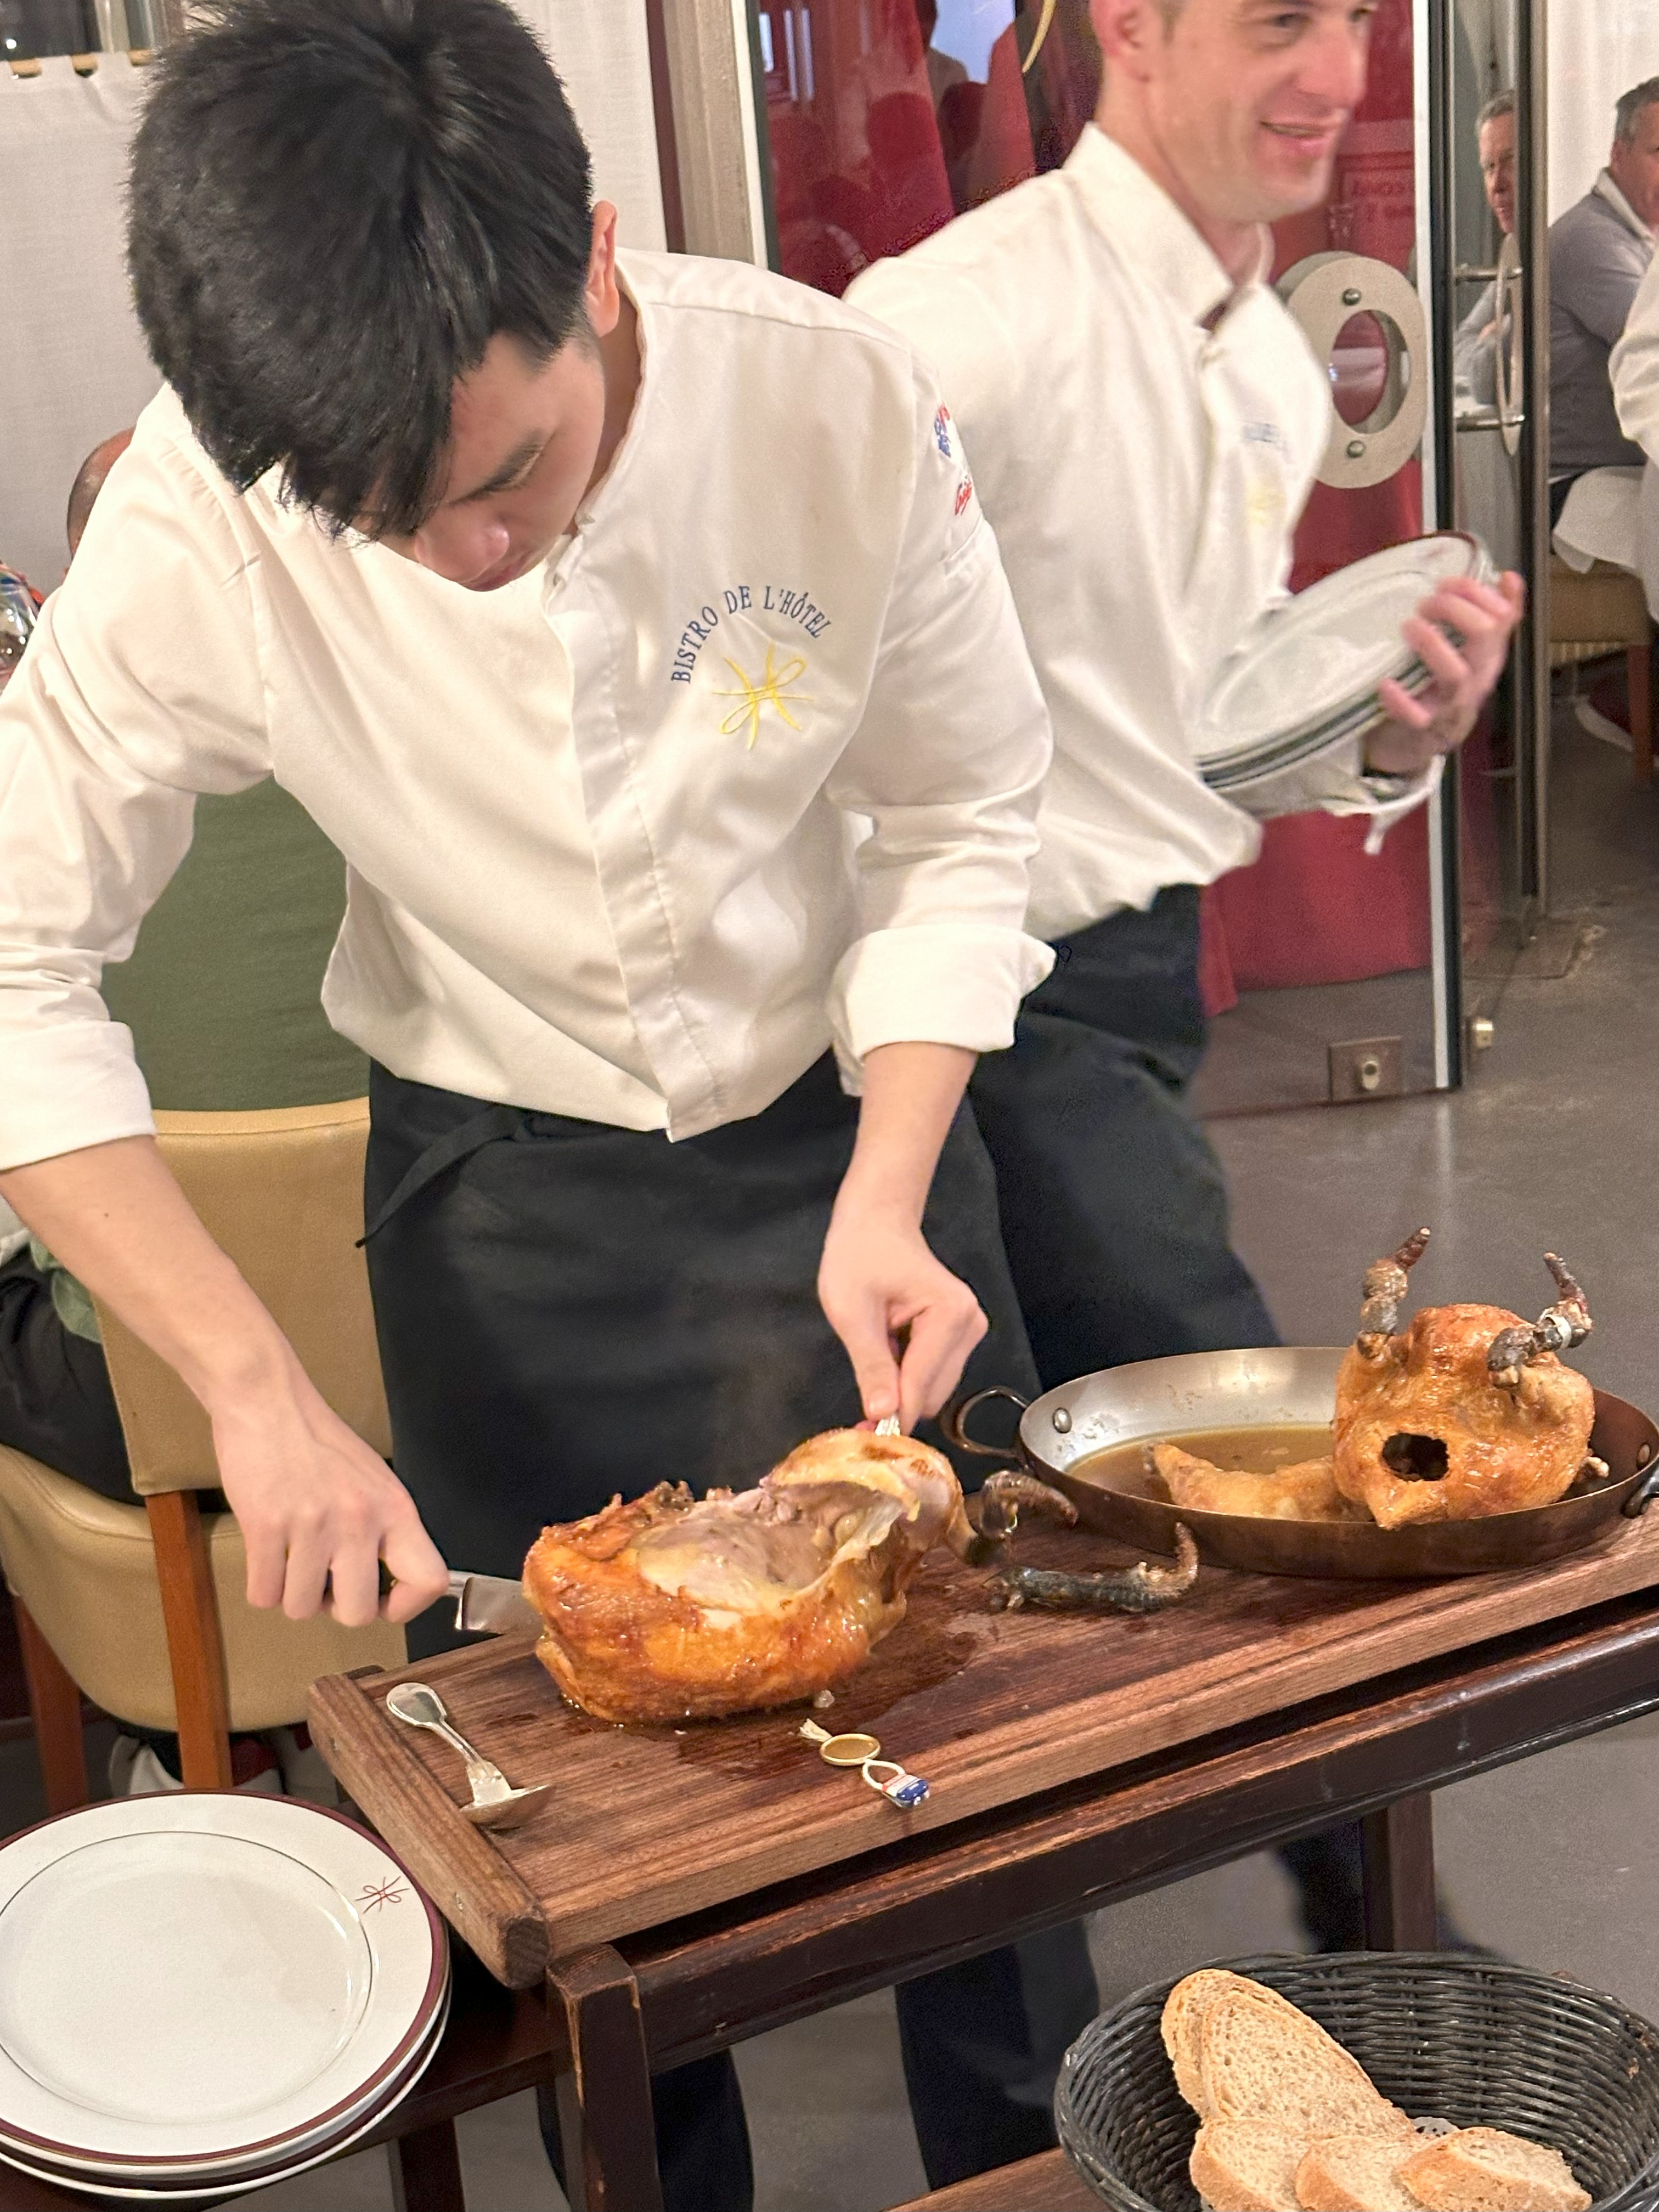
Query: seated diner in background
[[1600, 251], [1475, 352]]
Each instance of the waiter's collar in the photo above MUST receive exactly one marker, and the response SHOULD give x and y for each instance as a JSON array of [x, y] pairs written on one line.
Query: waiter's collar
[[1606, 188], [1145, 227]]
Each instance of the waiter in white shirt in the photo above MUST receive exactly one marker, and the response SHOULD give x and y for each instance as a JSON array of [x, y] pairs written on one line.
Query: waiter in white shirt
[[581, 598], [1142, 420]]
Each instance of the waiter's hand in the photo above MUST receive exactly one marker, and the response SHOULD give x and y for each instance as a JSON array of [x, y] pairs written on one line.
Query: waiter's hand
[[1439, 718], [317, 1508], [907, 1322]]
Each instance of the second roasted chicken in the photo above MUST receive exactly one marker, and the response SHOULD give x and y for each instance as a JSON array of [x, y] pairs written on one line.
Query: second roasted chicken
[[1466, 1412]]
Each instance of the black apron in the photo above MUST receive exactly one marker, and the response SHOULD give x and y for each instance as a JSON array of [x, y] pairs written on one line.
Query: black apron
[[1113, 1202], [567, 1310]]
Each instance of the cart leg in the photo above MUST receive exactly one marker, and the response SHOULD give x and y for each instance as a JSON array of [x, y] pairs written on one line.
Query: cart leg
[[1398, 1852], [605, 2102], [425, 2170]]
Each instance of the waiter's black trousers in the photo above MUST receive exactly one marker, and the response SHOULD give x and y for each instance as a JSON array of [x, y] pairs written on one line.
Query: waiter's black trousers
[[566, 1310], [1114, 1212], [56, 1403]]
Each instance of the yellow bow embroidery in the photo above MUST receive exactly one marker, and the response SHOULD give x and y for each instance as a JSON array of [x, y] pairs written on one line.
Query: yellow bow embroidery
[[767, 692]]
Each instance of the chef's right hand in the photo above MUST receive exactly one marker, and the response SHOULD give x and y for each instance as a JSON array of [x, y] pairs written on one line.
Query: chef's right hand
[[319, 1509], [908, 1324]]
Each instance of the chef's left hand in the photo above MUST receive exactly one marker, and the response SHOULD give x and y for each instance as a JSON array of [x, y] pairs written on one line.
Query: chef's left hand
[[1439, 718], [908, 1324]]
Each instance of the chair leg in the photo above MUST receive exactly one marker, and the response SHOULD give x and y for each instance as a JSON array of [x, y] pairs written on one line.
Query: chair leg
[[195, 1648], [55, 1704], [1638, 666]]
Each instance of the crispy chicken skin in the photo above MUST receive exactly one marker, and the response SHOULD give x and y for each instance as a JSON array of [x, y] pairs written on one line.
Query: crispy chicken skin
[[1304, 1492], [1425, 1432], [672, 1608]]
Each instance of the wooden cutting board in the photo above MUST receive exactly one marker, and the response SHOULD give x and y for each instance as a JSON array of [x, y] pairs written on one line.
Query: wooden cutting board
[[644, 1825]]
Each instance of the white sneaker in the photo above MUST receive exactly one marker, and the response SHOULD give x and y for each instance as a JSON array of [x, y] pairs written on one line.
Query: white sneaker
[[135, 1771]]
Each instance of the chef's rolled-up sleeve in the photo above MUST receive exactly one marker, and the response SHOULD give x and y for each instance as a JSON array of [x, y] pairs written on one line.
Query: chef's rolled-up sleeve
[[947, 766], [139, 688]]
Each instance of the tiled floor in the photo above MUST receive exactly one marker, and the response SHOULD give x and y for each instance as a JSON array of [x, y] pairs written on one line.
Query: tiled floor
[[1554, 1862]]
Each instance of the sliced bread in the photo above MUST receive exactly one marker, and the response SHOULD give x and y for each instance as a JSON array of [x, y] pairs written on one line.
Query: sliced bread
[[1484, 2170], [1354, 2173], [1184, 2009], [1266, 2061], [1246, 2166]]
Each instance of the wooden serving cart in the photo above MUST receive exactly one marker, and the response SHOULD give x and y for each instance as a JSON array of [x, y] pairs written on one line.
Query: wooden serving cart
[[684, 1890]]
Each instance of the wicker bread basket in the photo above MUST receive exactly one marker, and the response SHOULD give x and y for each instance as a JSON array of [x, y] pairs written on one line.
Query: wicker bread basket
[[1467, 2040]]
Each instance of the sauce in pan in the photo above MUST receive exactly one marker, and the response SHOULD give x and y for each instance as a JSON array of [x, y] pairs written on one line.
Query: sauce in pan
[[1252, 1451]]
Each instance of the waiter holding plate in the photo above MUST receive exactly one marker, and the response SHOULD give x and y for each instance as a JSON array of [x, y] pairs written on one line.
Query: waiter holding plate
[[581, 597], [1142, 421]]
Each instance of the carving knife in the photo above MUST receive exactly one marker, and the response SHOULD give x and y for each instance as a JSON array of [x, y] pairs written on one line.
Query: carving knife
[[493, 1606]]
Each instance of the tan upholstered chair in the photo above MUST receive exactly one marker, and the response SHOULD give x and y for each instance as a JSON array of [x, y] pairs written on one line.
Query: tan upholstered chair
[[142, 1607], [1596, 613]]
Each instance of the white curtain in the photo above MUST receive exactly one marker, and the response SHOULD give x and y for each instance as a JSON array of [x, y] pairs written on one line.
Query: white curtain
[[1598, 50], [600, 52], [77, 369], [75, 365]]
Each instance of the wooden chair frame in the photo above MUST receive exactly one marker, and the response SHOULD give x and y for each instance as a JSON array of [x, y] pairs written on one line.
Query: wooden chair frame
[[195, 1652]]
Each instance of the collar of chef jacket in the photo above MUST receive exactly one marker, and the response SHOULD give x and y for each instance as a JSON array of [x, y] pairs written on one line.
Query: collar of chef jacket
[[1148, 229]]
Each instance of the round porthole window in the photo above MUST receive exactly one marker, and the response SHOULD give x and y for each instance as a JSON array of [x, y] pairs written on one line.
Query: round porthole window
[[1365, 320]]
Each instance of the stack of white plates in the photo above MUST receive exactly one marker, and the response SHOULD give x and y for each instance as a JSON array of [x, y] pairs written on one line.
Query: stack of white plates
[[1308, 681], [200, 1995]]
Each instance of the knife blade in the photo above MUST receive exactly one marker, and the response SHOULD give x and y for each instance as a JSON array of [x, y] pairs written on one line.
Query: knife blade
[[490, 1605]]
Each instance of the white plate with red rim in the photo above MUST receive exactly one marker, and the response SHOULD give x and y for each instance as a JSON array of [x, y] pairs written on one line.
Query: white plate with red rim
[[206, 1981], [256, 2169], [205, 2185], [1308, 679]]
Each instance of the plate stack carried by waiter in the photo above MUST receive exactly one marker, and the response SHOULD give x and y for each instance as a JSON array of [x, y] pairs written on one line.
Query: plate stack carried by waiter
[[582, 599], [1143, 422]]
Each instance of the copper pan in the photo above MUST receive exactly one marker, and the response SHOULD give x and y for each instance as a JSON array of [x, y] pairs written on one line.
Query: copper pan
[[1276, 1388]]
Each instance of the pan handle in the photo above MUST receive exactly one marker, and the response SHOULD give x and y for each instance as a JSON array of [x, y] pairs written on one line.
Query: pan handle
[[954, 1421], [1643, 1496]]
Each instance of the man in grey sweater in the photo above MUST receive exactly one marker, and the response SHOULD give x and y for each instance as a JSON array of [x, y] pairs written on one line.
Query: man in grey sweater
[[1476, 354], [1600, 250]]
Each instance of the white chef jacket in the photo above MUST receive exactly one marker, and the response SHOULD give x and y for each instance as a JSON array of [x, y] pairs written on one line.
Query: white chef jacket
[[1143, 434], [597, 822], [1633, 367]]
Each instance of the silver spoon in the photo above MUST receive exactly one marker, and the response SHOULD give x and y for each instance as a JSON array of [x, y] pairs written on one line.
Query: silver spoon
[[495, 1803]]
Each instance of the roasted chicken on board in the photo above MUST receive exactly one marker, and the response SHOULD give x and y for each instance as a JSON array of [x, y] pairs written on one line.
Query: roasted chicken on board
[[1467, 1411], [673, 1607]]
